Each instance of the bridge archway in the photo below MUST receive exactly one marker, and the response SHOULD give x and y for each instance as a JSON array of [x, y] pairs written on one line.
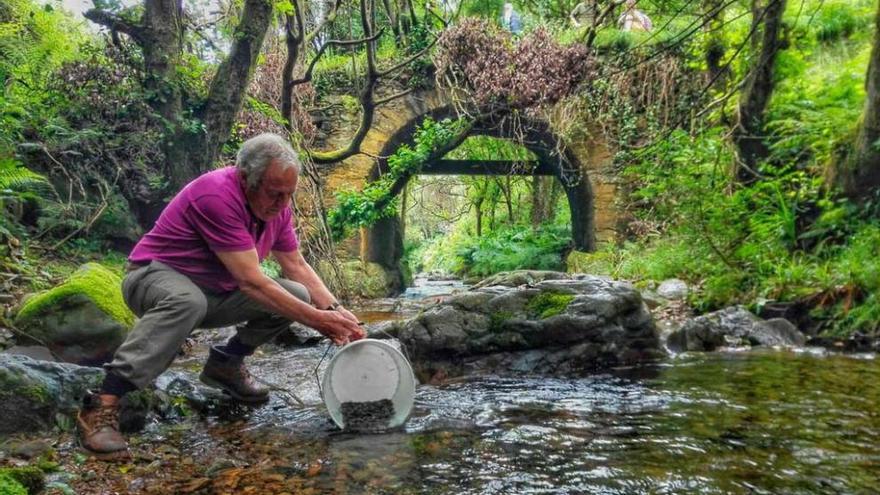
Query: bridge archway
[[383, 242]]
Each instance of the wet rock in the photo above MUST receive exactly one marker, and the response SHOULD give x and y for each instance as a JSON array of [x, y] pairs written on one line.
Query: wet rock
[[652, 299], [558, 325], [299, 336], [32, 392], [82, 321], [182, 392], [733, 327], [389, 329], [521, 277], [672, 289], [40, 395], [367, 416]]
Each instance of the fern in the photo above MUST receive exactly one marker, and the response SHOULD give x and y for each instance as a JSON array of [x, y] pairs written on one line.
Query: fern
[[15, 178]]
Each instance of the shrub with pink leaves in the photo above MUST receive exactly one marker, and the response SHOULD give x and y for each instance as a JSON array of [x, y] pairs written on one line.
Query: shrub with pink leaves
[[496, 69]]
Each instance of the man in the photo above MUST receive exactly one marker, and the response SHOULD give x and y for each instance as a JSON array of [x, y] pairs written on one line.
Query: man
[[634, 19], [200, 267]]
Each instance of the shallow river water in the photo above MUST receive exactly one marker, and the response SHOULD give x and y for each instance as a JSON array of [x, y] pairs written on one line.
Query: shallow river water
[[744, 422]]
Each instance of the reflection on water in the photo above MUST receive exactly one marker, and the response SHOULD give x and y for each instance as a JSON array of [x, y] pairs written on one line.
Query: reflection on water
[[768, 422]]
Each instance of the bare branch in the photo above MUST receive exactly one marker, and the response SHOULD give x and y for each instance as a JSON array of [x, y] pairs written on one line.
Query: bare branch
[[591, 33], [331, 16], [409, 60], [115, 23], [308, 74], [393, 97], [365, 98]]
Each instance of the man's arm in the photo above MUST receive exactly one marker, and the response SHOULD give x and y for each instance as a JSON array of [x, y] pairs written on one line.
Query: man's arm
[[245, 267], [296, 268]]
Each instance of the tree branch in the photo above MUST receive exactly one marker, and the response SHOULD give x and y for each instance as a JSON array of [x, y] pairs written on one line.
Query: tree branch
[[308, 74], [409, 60], [393, 97], [115, 23], [365, 98]]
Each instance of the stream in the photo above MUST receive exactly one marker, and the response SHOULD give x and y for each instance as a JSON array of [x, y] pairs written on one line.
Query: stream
[[770, 421]]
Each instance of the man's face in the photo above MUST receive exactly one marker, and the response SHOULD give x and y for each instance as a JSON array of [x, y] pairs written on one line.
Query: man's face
[[274, 192]]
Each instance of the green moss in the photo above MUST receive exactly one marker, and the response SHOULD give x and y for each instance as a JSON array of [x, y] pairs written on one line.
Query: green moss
[[95, 281], [367, 280], [36, 392], [12, 383], [24, 480], [547, 304]]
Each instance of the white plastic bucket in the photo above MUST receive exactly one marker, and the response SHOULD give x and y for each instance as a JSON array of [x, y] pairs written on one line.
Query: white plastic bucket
[[369, 370]]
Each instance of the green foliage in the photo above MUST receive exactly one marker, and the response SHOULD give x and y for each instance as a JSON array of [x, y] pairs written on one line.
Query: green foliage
[[15, 178], [10, 486], [375, 201], [34, 41], [839, 19], [782, 239], [490, 148], [30, 478], [508, 248]]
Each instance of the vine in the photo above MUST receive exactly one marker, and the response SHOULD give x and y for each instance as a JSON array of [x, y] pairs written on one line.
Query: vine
[[377, 200]]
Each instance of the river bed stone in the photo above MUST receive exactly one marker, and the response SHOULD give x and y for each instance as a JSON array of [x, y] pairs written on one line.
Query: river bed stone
[[559, 324], [734, 327]]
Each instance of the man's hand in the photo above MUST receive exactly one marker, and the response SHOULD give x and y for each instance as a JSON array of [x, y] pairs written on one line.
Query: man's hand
[[337, 326], [350, 316]]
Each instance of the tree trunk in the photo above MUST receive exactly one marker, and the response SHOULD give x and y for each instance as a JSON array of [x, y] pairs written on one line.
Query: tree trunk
[[715, 48], [757, 89], [228, 88], [393, 21], [403, 205], [542, 199], [478, 209], [191, 145], [858, 173]]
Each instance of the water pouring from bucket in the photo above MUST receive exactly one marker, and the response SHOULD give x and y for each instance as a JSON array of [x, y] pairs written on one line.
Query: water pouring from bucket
[[368, 386]]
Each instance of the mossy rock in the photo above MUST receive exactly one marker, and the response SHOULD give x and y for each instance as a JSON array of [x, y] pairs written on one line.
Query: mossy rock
[[517, 278], [83, 320], [548, 304], [366, 280], [34, 394]]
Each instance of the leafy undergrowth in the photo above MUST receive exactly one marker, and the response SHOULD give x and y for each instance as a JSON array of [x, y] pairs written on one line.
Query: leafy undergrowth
[[513, 248]]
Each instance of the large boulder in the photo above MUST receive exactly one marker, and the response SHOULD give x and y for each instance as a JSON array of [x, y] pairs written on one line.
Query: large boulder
[[81, 321], [733, 327], [34, 395], [560, 325], [38, 395], [362, 279]]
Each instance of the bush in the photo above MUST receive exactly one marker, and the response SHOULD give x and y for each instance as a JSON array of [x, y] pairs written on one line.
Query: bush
[[512, 248]]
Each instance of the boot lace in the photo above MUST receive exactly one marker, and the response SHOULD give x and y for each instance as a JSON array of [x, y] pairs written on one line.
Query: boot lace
[[105, 417]]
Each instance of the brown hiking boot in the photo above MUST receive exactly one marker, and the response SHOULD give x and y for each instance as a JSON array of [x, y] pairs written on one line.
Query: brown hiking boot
[[98, 424], [228, 372]]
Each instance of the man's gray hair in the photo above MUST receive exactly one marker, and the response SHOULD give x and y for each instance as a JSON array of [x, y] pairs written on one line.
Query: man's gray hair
[[258, 152]]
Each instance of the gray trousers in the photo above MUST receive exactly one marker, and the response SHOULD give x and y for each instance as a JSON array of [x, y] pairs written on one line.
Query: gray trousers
[[170, 306]]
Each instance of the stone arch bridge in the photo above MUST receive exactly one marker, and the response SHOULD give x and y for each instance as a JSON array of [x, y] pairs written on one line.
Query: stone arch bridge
[[583, 168]]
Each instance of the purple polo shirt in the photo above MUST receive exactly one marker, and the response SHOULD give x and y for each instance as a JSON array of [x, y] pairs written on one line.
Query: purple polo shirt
[[211, 215]]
